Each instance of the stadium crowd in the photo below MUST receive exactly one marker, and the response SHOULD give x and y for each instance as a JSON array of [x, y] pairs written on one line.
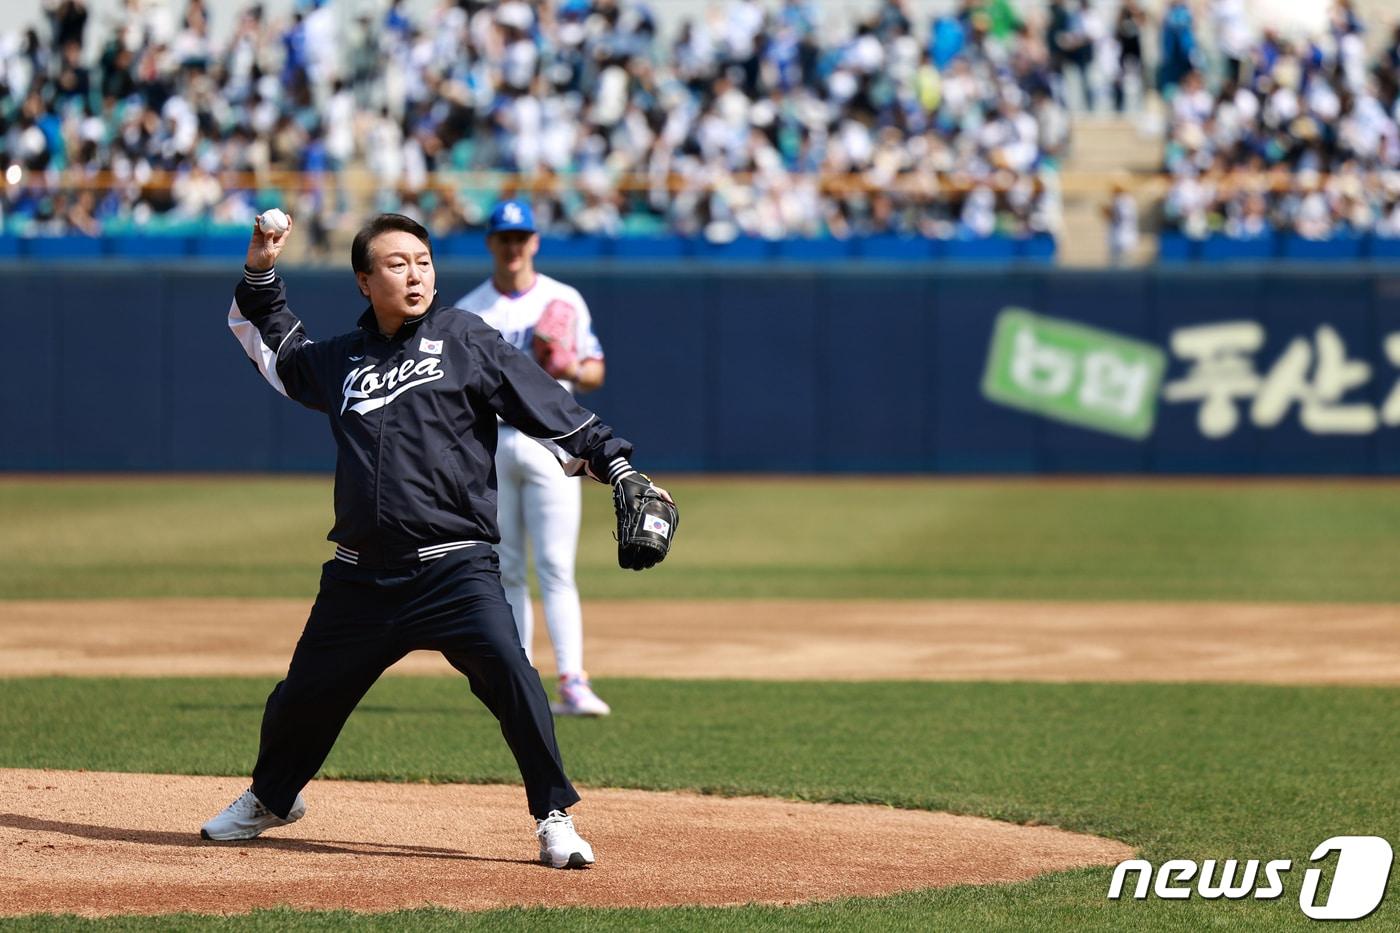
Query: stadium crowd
[[759, 119], [1294, 136]]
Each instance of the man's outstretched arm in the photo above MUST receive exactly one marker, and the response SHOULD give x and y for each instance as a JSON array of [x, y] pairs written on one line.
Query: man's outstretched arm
[[529, 400]]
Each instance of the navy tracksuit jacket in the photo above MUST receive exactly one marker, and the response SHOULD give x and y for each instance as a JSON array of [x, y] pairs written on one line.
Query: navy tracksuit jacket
[[414, 421]]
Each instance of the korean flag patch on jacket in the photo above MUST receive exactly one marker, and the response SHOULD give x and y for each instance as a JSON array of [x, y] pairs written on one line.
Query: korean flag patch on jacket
[[430, 346]]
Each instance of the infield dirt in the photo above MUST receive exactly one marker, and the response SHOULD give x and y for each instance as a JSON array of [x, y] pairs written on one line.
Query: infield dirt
[[768, 639]]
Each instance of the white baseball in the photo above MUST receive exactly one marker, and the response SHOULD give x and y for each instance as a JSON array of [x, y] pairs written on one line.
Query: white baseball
[[273, 221]]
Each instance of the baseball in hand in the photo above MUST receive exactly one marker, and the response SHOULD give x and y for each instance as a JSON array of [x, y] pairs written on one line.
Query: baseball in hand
[[273, 221]]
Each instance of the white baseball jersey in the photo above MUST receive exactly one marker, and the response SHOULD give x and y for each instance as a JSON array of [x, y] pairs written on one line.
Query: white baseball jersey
[[515, 316], [536, 500]]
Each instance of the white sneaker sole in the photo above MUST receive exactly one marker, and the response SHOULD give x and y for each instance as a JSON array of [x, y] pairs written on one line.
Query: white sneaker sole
[[241, 834], [575, 860], [568, 709]]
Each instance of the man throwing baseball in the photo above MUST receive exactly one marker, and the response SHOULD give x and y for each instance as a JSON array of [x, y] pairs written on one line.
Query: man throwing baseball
[[413, 395], [538, 502]]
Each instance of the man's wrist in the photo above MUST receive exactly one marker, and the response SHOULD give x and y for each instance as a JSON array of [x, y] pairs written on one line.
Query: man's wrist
[[619, 469], [259, 276]]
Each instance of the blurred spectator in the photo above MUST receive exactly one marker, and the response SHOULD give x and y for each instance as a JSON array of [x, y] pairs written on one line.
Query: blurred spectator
[[1233, 36], [67, 21], [1128, 77], [1121, 214], [1178, 47], [1071, 46]]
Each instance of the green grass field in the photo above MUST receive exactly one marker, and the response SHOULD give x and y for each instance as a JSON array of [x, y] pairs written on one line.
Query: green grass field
[[803, 538], [1195, 771]]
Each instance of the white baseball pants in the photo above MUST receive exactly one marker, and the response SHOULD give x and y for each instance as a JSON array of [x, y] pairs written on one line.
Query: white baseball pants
[[539, 503]]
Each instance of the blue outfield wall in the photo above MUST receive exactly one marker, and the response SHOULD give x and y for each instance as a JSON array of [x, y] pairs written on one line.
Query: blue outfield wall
[[774, 368]]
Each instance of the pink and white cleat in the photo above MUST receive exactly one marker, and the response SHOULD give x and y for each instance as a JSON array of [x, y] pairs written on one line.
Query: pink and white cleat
[[576, 697]]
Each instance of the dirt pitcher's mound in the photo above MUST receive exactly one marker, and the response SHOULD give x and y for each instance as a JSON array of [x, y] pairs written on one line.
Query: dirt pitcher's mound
[[98, 843]]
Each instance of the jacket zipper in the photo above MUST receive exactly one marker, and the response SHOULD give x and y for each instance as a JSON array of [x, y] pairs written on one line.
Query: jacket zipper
[[379, 458]]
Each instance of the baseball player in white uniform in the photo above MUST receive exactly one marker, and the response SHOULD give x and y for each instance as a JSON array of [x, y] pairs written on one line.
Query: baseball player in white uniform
[[538, 503]]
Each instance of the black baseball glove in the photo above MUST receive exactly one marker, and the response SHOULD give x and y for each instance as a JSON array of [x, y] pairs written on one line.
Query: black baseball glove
[[646, 522]]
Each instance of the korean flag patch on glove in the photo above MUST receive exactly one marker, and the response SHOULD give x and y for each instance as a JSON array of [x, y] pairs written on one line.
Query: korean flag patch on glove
[[646, 522]]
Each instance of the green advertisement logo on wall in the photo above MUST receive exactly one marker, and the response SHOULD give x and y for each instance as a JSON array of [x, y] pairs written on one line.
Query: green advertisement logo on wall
[[1072, 373]]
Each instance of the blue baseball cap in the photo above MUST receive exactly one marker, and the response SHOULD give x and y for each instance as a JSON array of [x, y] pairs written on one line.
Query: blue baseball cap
[[511, 215]]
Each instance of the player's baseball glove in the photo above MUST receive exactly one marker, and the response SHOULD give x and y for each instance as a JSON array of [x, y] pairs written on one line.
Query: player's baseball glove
[[646, 522], [554, 340]]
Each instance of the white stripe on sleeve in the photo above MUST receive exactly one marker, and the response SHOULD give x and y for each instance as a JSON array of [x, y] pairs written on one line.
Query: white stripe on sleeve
[[259, 352], [560, 437], [618, 469]]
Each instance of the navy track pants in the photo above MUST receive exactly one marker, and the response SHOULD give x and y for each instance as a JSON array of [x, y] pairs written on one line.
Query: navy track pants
[[365, 620]]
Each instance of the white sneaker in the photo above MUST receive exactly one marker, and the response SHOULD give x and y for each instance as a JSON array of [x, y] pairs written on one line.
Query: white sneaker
[[246, 818], [576, 698], [560, 845]]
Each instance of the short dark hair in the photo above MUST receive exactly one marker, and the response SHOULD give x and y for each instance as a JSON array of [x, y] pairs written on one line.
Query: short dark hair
[[383, 223]]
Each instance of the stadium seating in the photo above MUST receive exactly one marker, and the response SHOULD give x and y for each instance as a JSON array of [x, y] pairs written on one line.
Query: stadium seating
[[574, 247], [135, 245], [1175, 247], [649, 247], [1038, 247], [63, 247], [744, 248], [816, 249], [344, 169], [890, 248], [1226, 249], [221, 244], [1338, 248], [1383, 249], [983, 249], [461, 245]]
